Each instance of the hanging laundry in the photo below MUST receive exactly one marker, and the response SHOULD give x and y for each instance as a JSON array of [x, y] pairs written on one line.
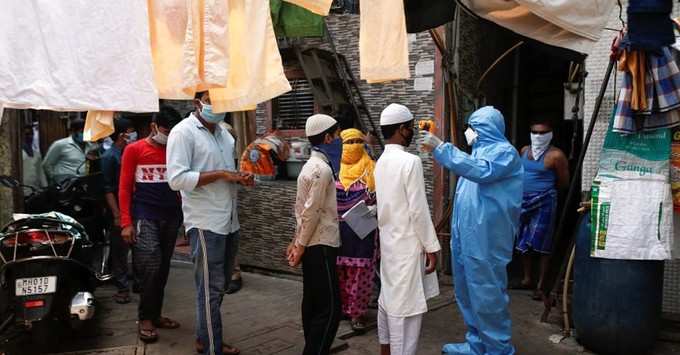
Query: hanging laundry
[[574, 24], [98, 125], [256, 70], [294, 21], [76, 56], [662, 88], [423, 15], [192, 42], [190, 46], [383, 42], [319, 7], [635, 63], [167, 28], [650, 26]]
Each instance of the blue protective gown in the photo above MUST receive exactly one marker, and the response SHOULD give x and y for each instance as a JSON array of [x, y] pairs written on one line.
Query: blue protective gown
[[485, 220]]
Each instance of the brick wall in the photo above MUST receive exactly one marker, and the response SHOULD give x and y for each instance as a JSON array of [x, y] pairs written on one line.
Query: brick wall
[[596, 65], [266, 212]]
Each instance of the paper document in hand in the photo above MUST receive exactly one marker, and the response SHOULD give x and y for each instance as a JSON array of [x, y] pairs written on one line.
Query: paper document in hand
[[361, 221], [431, 285]]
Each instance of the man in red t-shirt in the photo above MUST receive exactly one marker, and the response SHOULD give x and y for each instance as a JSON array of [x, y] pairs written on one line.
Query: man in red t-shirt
[[150, 217]]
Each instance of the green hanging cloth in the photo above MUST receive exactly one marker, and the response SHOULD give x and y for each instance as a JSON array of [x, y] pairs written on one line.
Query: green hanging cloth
[[290, 20]]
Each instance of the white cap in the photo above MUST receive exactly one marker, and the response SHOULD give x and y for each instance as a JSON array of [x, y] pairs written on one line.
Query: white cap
[[319, 123], [395, 113]]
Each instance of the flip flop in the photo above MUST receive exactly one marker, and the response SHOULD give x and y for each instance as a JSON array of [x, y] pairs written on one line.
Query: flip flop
[[226, 349], [166, 323], [147, 335]]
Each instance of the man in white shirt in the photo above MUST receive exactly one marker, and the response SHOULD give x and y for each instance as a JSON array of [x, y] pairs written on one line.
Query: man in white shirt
[[407, 236], [317, 237], [201, 165]]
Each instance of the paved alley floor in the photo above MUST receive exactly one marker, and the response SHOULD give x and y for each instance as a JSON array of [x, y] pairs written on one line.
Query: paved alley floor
[[264, 318]]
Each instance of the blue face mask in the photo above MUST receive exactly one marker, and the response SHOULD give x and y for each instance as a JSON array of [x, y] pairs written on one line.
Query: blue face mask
[[332, 151], [211, 117], [78, 137]]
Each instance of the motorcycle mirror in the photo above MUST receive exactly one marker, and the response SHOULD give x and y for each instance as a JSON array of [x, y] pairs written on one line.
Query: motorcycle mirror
[[9, 181]]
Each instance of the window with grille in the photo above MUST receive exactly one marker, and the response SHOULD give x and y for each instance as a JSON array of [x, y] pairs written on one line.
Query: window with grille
[[290, 110]]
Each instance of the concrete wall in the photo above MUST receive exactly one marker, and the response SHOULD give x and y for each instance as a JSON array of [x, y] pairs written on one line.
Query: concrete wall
[[596, 65], [6, 196]]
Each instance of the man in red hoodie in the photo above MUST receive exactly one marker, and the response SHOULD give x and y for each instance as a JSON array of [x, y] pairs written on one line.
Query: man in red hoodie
[[150, 217]]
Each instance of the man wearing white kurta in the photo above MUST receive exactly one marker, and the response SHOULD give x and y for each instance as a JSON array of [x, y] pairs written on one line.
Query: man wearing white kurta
[[407, 236]]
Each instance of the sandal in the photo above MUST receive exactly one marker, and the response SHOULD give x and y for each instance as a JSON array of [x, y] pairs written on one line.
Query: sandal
[[122, 297], [537, 295], [226, 348], [147, 335], [166, 323], [358, 325]]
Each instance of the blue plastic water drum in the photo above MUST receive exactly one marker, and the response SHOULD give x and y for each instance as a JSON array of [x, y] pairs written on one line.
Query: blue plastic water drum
[[617, 303]]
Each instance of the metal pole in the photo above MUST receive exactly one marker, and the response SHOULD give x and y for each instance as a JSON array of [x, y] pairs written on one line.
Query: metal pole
[[552, 281], [515, 99]]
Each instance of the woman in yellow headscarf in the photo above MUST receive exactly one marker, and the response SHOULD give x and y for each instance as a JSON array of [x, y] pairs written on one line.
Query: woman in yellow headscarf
[[357, 257]]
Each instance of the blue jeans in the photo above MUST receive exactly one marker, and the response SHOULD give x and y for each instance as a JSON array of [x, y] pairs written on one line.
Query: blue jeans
[[213, 256]]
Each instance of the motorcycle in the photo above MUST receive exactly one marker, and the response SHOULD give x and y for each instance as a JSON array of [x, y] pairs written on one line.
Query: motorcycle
[[49, 264]]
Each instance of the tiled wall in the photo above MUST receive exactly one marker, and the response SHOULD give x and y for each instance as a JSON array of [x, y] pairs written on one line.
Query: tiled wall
[[266, 212]]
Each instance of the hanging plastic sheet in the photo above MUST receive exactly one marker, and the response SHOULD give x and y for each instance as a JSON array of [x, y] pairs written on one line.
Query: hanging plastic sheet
[[423, 15], [574, 24], [76, 55]]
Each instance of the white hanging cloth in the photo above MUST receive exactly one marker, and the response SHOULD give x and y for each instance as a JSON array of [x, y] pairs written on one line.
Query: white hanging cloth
[[76, 55]]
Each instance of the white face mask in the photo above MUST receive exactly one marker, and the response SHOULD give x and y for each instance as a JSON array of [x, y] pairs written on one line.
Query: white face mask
[[160, 138], [540, 144], [131, 137], [107, 143], [471, 136]]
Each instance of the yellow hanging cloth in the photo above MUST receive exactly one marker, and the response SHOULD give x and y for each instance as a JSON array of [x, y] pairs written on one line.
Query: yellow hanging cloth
[[189, 46], [319, 7], [383, 42], [356, 165], [98, 125], [256, 73]]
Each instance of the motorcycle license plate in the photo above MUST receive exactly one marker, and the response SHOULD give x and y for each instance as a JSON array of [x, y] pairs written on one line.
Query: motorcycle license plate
[[36, 286]]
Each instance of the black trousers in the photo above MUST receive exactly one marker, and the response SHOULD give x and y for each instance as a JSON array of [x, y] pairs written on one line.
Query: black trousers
[[119, 260], [151, 256], [321, 309]]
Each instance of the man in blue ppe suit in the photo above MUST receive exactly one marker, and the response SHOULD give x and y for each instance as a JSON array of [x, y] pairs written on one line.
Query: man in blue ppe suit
[[485, 220]]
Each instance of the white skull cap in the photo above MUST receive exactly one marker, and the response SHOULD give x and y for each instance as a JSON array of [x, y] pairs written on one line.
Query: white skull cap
[[319, 123], [394, 114]]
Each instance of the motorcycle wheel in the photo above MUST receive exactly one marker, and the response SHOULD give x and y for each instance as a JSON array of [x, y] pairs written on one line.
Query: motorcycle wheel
[[46, 335]]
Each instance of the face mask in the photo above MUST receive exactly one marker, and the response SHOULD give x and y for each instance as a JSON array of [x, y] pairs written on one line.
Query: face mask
[[208, 115], [332, 151], [107, 143], [409, 137], [471, 136], [131, 137], [78, 137], [540, 144], [160, 138], [352, 153]]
